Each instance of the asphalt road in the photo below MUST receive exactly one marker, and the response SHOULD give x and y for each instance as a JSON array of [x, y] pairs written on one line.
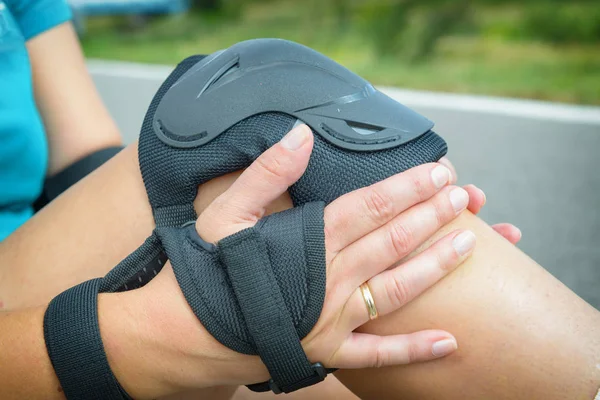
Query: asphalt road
[[535, 161]]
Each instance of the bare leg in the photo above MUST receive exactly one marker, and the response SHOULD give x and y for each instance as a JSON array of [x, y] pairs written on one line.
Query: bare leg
[[522, 334]]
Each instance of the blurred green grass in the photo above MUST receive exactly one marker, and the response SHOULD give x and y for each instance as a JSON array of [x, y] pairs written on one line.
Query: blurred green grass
[[488, 55]]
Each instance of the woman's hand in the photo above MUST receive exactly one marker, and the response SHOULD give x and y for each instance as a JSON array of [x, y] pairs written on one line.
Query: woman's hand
[[477, 200], [367, 233]]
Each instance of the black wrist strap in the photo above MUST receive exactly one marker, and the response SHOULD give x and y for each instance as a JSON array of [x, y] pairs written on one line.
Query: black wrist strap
[[74, 344]]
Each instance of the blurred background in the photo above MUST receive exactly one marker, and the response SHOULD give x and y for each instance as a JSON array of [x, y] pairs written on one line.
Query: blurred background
[[460, 63], [466, 46]]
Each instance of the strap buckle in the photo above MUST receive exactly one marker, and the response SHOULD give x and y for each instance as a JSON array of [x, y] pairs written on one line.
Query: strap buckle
[[320, 373]]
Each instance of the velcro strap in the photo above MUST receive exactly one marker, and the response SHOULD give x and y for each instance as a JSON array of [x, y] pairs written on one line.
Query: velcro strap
[[245, 257], [74, 344]]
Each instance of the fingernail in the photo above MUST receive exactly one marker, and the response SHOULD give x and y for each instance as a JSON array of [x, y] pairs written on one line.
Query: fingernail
[[295, 138], [520, 234], [447, 163], [440, 176], [443, 347], [484, 196], [459, 199], [464, 242]]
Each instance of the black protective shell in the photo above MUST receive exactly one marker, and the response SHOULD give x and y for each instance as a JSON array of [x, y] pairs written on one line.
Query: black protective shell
[[274, 75]]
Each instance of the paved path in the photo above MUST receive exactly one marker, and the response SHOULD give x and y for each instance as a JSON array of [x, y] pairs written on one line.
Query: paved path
[[536, 162]]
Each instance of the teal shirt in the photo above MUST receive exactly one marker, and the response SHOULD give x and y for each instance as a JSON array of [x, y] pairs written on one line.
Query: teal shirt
[[23, 146]]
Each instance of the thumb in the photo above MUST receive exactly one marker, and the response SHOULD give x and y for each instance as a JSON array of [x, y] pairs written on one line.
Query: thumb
[[267, 178]]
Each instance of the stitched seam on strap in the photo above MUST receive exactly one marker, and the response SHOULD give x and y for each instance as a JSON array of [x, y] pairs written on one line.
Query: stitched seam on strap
[[218, 320]]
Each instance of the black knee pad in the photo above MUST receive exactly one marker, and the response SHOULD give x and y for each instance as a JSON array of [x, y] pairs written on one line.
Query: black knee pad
[[214, 115]]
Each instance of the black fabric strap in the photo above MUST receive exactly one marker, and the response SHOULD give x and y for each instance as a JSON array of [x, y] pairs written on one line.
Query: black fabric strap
[[74, 344], [270, 324]]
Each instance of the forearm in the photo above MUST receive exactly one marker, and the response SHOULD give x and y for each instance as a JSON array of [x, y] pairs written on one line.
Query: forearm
[[77, 123], [25, 369], [521, 333], [140, 358], [140, 361], [81, 235]]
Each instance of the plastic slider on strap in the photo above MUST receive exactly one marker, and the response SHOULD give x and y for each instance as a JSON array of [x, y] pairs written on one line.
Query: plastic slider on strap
[[319, 376]]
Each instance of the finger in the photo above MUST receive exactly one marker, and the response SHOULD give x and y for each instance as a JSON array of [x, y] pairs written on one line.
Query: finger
[[394, 288], [509, 232], [395, 240], [477, 198], [446, 162], [357, 213], [362, 350], [269, 176]]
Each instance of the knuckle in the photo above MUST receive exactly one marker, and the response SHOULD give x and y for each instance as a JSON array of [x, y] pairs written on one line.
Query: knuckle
[[214, 209], [440, 259], [412, 353], [401, 240], [446, 259], [440, 214], [382, 357], [398, 290], [270, 167], [329, 233], [333, 226], [419, 188], [379, 206]]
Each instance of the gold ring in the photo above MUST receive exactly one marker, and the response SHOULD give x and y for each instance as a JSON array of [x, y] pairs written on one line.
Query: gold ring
[[369, 301]]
